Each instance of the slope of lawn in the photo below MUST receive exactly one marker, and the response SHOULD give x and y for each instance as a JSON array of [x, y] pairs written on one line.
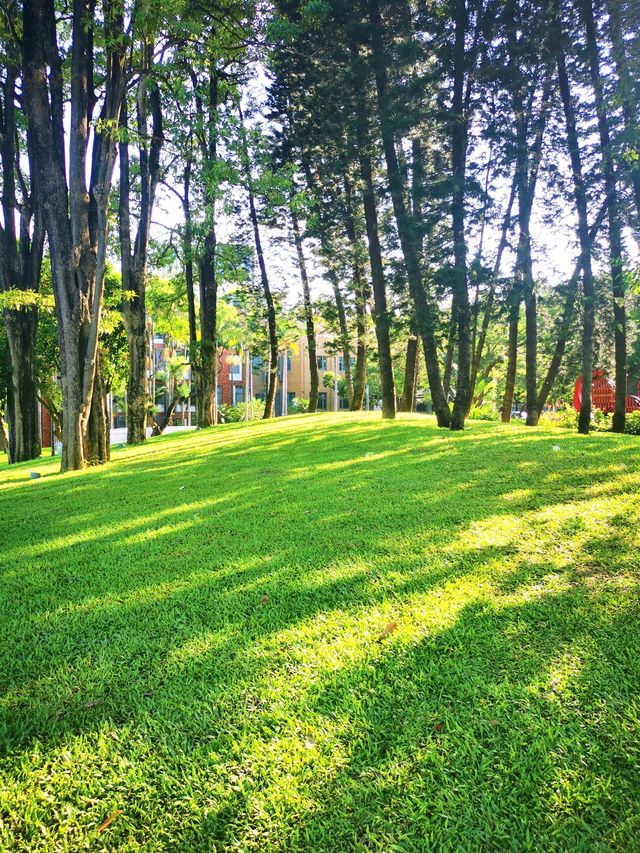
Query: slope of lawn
[[324, 634]]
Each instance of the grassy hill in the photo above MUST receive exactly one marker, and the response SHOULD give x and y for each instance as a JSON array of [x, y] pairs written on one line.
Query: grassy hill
[[324, 634]]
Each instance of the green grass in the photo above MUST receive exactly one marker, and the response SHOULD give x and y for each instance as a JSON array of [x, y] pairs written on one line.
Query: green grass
[[324, 634]]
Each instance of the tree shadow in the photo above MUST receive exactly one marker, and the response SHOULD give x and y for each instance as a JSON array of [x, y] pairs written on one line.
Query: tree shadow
[[145, 600]]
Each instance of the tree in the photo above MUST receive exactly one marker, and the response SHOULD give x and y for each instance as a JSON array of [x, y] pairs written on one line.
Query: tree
[[74, 211], [20, 263], [133, 255]]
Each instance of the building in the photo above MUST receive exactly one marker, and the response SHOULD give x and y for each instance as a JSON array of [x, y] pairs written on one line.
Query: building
[[298, 379], [230, 383]]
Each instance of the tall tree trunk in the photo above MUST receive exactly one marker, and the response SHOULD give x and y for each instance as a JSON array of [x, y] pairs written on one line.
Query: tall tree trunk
[[488, 309], [22, 400], [382, 316], [207, 363], [97, 449], [20, 262], [451, 345], [406, 234], [345, 343], [361, 292], [134, 264], [264, 279], [512, 352], [566, 322], [580, 197], [314, 382], [629, 94], [75, 215], [410, 373], [459, 161], [527, 157], [613, 210], [206, 403]]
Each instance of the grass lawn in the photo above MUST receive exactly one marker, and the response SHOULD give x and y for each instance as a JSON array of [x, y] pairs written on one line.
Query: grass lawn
[[324, 633]]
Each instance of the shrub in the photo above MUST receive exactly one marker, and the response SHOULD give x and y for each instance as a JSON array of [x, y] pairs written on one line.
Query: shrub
[[483, 413], [234, 414], [632, 424], [565, 417], [298, 406], [601, 421]]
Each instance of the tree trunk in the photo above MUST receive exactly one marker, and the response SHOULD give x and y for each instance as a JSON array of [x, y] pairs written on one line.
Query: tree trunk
[[580, 197], [628, 92], [97, 448], [565, 324], [404, 225], [271, 314], [486, 319], [20, 262], [451, 345], [22, 401], [361, 292], [615, 225], [410, 374], [345, 343], [512, 353], [458, 161], [314, 382], [382, 317], [75, 214], [134, 265], [159, 426]]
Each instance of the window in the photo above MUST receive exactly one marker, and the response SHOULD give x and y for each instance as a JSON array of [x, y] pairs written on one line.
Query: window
[[219, 394], [322, 363], [291, 396], [288, 363], [235, 372], [238, 394], [322, 401], [352, 361], [344, 403]]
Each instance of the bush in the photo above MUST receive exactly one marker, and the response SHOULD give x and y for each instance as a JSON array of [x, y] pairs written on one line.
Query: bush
[[632, 424], [298, 406], [601, 421], [483, 413], [565, 417], [234, 414]]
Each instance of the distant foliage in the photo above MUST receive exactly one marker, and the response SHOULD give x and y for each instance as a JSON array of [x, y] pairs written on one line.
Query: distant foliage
[[483, 413]]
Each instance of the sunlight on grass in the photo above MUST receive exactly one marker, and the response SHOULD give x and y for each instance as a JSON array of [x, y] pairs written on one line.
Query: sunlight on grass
[[324, 633]]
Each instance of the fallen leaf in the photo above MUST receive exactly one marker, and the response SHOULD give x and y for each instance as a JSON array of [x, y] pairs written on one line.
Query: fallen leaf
[[438, 727], [493, 723], [91, 704], [264, 600], [109, 820], [387, 630], [180, 488], [148, 693], [309, 744]]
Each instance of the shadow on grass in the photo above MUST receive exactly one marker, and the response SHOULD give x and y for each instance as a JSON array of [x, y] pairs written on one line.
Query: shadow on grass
[[215, 593]]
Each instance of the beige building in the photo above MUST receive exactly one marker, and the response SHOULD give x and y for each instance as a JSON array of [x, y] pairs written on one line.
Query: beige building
[[297, 382]]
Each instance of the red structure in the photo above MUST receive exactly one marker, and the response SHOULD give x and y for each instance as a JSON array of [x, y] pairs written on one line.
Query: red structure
[[603, 394]]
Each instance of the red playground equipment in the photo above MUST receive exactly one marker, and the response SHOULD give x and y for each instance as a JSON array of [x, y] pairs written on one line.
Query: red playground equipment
[[603, 394]]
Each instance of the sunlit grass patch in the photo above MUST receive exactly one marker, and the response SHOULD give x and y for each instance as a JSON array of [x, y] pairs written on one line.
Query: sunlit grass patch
[[324, 633]]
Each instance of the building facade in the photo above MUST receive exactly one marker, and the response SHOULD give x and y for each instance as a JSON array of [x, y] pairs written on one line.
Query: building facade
[[297, 383]]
